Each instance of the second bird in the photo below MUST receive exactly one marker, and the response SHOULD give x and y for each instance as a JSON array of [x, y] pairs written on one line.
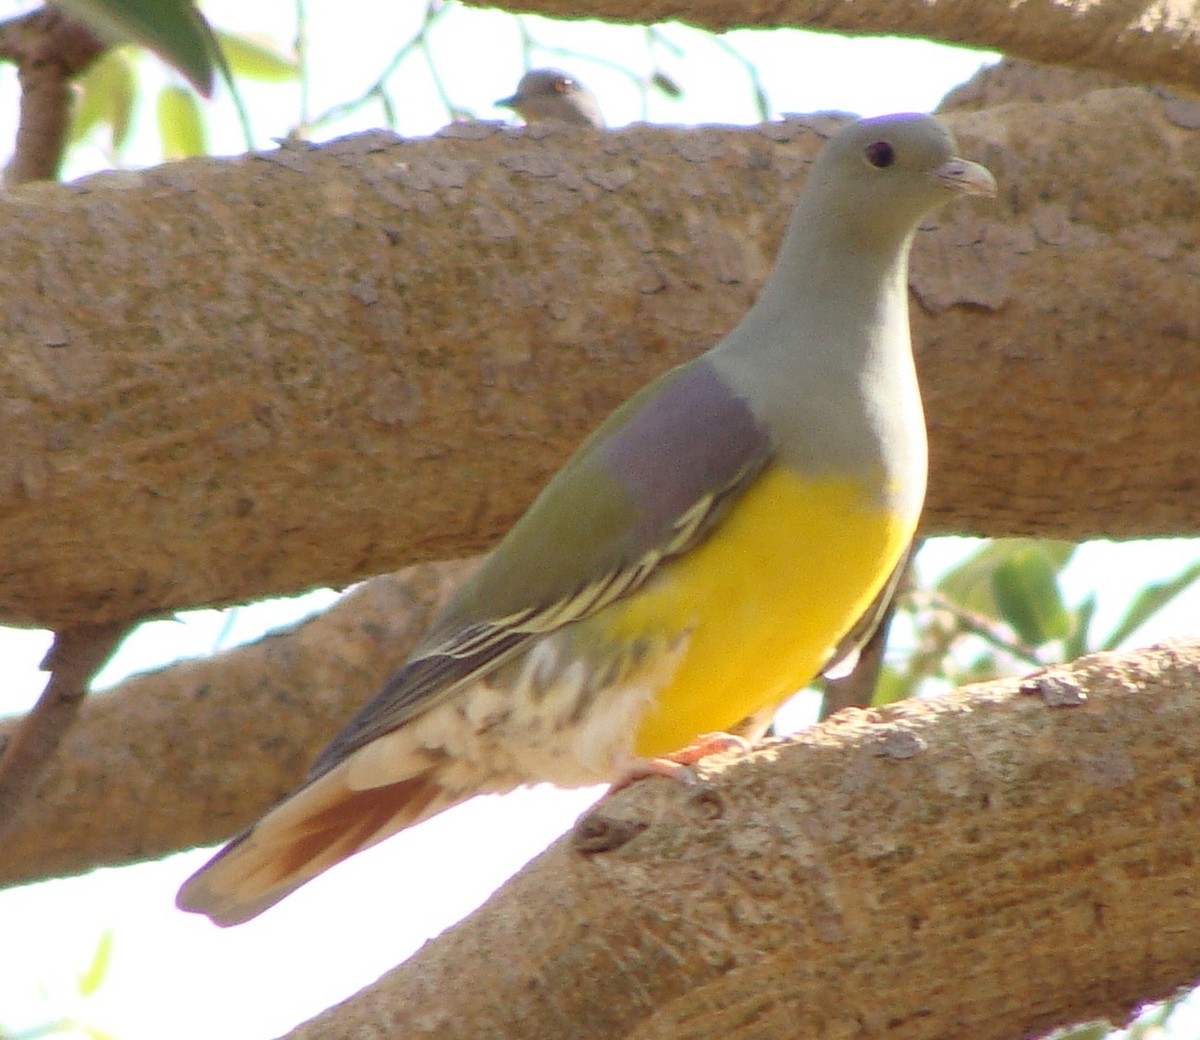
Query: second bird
[[548, 95], [711, 548]]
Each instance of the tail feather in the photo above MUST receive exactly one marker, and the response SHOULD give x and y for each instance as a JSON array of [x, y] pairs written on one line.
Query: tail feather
[[322, 824]]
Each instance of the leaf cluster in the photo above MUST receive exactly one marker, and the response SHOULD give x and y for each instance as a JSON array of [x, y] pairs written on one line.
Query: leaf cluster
[[1001, 611]]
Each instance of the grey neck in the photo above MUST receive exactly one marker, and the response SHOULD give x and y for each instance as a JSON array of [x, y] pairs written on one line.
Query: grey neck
[[825, 359]]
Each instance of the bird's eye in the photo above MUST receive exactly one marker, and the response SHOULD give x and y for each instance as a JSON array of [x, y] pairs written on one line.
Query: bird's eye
[[880, 154], [561, 86]]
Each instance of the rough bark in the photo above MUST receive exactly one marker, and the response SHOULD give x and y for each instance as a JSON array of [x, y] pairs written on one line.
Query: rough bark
[[224, 380], [1012, 858], [190, 754], [1151, 42], [1011, 79]]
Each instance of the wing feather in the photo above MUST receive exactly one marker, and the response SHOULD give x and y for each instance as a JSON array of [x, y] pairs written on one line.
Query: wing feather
[[844, 658], [645, 488], [469, 653]]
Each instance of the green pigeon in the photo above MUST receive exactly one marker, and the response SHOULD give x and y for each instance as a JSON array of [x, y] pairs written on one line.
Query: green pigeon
[[544, 95], [728, 534]]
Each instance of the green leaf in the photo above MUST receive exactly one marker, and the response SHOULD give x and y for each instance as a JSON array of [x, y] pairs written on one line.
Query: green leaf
[[1148, 602], [254, 60], [181, 124], [1081, 626], [1025, 588], [982, 668], [892, 686], [173, 29], [969, 584], [665, 84], [762, 103], [1092, 1031], [97, 971], [105, 97]]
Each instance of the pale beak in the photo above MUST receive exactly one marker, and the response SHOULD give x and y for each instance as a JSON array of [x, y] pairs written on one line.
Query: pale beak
[[966, 178]]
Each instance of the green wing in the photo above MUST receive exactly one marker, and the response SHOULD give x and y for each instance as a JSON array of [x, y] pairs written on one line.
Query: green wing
[[648, 485]]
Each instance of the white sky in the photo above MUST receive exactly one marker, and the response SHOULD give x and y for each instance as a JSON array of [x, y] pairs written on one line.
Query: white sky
[[175, 974]]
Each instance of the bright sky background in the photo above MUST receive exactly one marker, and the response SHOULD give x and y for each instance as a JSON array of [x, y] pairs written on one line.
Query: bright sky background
[[177, 975]]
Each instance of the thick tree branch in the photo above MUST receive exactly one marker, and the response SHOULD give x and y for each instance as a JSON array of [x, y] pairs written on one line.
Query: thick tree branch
[[191, 754], [1012, 858], [225, 380], [1149, 41], [1012, 80]]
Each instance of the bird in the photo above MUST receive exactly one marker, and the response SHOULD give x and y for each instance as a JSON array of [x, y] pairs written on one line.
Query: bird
[[545, 95], [726, 535]]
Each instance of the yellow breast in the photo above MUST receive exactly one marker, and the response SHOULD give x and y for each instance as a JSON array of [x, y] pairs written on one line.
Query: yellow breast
[[764, 601]]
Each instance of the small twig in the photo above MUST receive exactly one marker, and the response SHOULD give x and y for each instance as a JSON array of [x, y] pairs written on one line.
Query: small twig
[[222, 63], [761, 100], [658, 36], [527, 42], [452, 110], [228, 623], [75, 656], [48, 49], [988, 629], [302, 59], [636, 78], [433, 14], [648, 38], [389, 110]]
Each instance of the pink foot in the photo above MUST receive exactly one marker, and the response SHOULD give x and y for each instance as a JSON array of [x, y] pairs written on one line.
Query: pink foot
[[708, 744], [676, 765]]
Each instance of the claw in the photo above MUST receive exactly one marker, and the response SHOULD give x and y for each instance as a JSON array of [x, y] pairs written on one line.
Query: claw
[[677, 765]]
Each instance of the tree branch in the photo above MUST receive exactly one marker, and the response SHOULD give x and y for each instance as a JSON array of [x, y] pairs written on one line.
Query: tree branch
[[25, 756], [190, 754], [48, 49], [999, 862], [1148, 42], [268, 363], [1012, 80]]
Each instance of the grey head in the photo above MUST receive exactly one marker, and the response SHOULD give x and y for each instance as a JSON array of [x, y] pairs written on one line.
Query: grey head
[[877, 178], [545, 95]]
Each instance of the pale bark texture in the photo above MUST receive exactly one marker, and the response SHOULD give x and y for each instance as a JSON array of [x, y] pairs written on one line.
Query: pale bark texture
[[224, 380], [1008, 859], [1012, 80], [191, 754], [1151, 41]]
